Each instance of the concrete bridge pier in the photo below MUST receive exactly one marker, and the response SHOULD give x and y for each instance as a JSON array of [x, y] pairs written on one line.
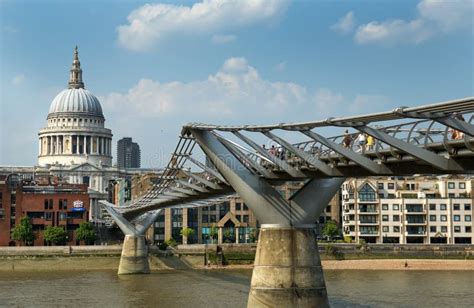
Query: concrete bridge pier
[[134, 258], [287, 270]]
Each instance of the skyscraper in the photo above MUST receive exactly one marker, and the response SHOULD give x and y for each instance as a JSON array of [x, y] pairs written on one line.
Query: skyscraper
[[128, 153]]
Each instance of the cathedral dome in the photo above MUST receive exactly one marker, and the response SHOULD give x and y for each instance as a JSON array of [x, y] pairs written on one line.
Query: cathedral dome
[[74, 101]]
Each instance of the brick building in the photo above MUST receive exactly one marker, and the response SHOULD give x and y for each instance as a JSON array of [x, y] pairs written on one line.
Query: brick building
[[45, 203]]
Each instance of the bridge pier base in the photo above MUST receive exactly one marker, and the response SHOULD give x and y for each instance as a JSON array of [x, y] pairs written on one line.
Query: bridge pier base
[[134, 258], [287, 271]]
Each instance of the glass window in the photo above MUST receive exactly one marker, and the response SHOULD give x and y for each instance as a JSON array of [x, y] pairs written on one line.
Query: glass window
[[450, 185], [457, 229], [391, 196], [452, 195], [462, 185], [442, 207], [385, 228], [366, 193], [467, 207], [238, 206], [467, 218], [444, 229], [396, 229], [396, 207], [380, 185], [396, 217], [205, 218], [443, 218], [456, 207], [432, 217], [381, 196], [457, 218], [48, 215], [468, 229], [432, 207], [385, 207], [433, 229], [391, 185], [384, 217]]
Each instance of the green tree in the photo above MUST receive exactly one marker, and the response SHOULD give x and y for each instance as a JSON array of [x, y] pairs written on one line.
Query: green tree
[[187, 232], [228, 236], [213, 233], [252, 235], [86, 233], [55, 235], [24, 232], [330, 229]]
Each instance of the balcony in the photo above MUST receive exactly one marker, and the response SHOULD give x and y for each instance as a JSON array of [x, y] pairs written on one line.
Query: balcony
[[415, 212], [415, 233], [369, 233], [415, 222], [369, 222], [368, 212]]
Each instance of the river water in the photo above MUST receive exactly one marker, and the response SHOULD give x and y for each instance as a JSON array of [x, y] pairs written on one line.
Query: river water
[[228, 288]]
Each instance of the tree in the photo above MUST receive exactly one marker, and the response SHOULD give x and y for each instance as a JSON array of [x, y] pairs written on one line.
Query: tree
[[24, 232], [55, 235], [86, 233], [228, 236], [213, 233], [252, 235], [187, 232], [330, 229]]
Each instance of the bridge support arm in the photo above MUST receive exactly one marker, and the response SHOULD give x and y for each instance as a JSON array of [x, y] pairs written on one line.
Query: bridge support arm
[[134, 257], [287, 271]]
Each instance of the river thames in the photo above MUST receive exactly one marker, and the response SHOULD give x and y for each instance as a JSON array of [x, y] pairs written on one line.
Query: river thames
[[219, 288]]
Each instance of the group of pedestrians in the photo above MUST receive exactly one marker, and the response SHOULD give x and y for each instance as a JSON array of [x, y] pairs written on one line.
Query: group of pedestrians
[[363, 141]]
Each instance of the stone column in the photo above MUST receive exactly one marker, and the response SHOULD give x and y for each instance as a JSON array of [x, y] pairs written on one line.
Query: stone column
[[57, 145], [219, 235], [287, 271], [86, 148], [77, 144], [39, 146], [49, 145], [134, 259], [236, 231]]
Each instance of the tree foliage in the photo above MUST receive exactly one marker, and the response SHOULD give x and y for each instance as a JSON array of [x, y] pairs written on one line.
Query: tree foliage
[[188, 232], [24, 232], [330, 229], [86, 233], [55, 235]]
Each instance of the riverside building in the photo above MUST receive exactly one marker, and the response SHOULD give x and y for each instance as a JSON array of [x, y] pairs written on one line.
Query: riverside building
[[46, 204], [423, 210]]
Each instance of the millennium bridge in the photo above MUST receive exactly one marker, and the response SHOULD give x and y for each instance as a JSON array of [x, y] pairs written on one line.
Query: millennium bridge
[[430, 139]]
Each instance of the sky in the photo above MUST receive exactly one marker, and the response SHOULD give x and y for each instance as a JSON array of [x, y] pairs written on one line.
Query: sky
[[157, 65]]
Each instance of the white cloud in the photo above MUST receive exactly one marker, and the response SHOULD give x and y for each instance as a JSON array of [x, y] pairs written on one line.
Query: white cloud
[[280, 67], [346, 24], [434, 17], [151, 23], [18, 79], [223, 38]]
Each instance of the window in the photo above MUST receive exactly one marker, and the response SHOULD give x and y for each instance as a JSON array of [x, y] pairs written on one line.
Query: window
[[468, 229], [442, 207], [238, 206], [381, 196], [396, 207], [456, 207], [391, 186], [205, 218], [385, 228], [450, 185], [12, 199], [391, 196], [385, 207], [62, 216], [46, 203], [457, 229], [433, 229], [245, 207], [432, 207], [396, 217], [444, 229], [452, 195], [48, 215], [384, 217], [432, 217], [443, 218], [396, 229], [245, 218], [462, 185], [467, 207], [366, 193], [457, 217], [467, 218], [380, 185]]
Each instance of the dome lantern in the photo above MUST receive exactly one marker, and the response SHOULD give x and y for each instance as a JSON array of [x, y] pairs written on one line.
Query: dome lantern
[[75, 77]]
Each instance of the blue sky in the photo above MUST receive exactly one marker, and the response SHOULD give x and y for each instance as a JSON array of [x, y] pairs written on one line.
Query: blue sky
[[158, 65]]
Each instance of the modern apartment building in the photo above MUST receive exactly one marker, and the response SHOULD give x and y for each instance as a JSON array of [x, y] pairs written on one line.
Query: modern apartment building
[[409, 210]]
